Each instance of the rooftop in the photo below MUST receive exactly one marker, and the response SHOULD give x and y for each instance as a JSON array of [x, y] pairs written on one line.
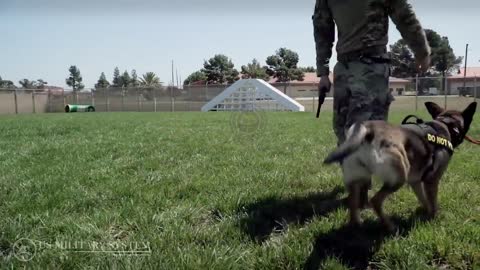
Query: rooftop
[[471, 73], [311, 78]]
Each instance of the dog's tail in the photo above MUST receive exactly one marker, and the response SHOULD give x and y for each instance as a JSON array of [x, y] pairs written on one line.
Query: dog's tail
[[357, 135]]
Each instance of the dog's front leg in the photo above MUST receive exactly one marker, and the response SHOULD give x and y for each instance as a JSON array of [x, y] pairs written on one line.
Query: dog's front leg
[[354, 202], [431, 182], [419, 190], [365, 187], [431, 188]]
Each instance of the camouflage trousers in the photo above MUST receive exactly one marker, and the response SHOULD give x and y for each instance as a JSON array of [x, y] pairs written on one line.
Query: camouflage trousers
[[361, 93]]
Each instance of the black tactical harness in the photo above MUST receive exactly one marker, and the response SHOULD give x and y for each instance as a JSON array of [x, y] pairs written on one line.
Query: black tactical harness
[[430, 134]]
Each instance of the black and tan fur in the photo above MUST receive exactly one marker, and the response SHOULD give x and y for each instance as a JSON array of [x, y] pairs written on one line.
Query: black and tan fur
[[398, 155]]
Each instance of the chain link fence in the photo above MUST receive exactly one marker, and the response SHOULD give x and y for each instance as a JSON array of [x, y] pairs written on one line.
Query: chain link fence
[[409, 94]]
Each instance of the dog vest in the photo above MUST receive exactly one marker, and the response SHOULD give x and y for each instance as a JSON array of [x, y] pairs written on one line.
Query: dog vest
[[430, 134]]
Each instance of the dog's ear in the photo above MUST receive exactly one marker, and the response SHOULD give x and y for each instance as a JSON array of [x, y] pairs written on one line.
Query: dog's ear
[[433, 109], [467, 115]]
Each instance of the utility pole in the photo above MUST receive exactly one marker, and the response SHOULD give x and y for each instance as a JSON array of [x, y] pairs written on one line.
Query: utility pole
[[465, 72], [178, 85], [171, 89]]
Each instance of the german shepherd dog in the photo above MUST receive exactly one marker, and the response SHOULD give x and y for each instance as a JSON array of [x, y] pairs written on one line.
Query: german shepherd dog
[[414, 153]]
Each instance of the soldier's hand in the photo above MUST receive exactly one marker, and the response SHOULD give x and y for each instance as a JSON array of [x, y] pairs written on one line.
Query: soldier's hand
[[422, 64], [324, 84]]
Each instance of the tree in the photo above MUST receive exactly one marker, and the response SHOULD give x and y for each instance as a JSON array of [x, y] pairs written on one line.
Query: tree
[[253, 70], [149, 82], [150, 79], [134, 79], [443, 57], [403, 66], [283, 66], [195, 77], [117, 80], [40, 84], [102, 82], [6, 84], [403, 61], [75, 80], [219, 70], [125, 79], [308, 69], [444, 61], [27, 84]]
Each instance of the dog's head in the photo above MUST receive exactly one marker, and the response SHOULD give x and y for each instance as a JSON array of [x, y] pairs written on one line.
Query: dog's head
[[458, 123]]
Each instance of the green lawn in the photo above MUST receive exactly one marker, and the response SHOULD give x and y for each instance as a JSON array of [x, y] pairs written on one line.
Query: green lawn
[[204, 197]]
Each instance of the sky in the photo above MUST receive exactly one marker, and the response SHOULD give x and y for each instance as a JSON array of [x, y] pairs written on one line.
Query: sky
[[41, 39]]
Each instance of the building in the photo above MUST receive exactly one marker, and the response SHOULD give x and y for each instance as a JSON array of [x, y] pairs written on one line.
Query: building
[[298, 89], [398, 86], [200, 90], [471, 80], [309, 86]]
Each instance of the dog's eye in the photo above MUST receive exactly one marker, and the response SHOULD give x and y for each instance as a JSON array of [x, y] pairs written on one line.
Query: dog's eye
[[456, 130]]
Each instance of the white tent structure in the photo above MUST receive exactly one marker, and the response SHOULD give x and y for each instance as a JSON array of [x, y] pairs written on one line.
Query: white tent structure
[[252, 94]]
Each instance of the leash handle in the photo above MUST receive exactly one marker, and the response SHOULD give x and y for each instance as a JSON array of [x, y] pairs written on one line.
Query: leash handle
[[417, 120]]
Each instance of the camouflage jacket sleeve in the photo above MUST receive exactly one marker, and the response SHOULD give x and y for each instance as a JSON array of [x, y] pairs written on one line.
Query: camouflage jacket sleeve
[[407, 23], [324, 34]]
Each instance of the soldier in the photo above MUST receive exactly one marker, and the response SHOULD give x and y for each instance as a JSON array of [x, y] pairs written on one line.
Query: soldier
[[361, 74]]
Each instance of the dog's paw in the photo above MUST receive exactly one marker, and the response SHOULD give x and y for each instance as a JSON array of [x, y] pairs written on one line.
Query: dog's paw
[[366, 205], [431, 215], [421, 211], [354, 224], [425, 214], [390, 227]]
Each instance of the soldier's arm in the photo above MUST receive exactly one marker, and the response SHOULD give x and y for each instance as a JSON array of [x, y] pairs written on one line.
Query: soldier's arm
[[410, 28], [324, 34]]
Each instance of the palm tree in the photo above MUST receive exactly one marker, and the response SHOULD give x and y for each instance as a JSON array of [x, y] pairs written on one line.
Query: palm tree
[[150, 79], [27, 84], [40, 84], [6, 84]]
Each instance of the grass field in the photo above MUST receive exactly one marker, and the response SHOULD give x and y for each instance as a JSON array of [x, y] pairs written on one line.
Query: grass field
[[200, 196]]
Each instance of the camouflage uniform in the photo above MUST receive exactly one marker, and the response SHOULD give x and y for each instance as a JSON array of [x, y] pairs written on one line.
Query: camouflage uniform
[[361, 75]]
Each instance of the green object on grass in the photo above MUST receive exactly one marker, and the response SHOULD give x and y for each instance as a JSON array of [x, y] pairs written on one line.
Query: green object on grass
[[79, 108]]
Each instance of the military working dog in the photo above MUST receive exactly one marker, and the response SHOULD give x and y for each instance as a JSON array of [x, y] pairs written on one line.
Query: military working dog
[[414, 153]]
